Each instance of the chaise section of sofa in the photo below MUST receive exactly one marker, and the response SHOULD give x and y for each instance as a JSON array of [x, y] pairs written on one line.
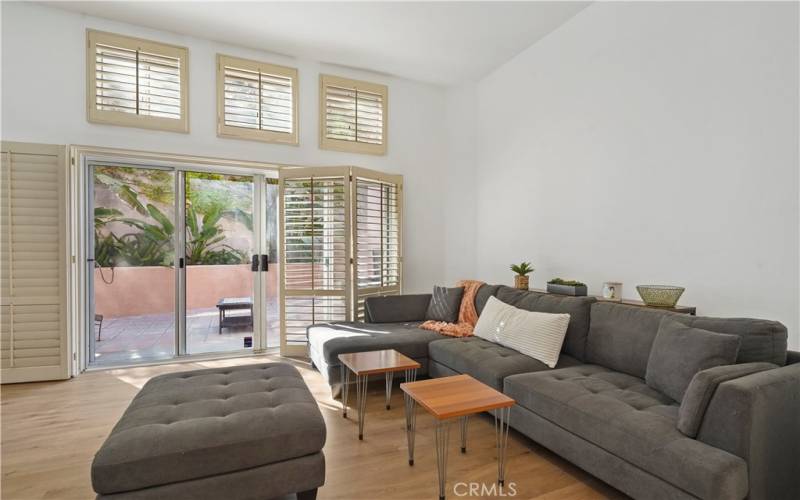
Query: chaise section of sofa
[[392, 323]]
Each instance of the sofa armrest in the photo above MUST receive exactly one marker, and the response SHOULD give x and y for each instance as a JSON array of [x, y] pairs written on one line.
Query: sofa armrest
[[792, 357], [757, 417], [396, 308], [702, 388]]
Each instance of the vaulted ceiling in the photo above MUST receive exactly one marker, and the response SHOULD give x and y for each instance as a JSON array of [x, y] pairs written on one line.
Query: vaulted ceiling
[[437, 42]]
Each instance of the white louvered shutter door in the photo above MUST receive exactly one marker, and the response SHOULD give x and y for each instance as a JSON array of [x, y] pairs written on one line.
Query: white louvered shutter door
[[315, 252], [377, 242], [33, 339]]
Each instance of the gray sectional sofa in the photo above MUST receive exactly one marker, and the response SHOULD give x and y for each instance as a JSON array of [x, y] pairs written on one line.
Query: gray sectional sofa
[[738, 437]]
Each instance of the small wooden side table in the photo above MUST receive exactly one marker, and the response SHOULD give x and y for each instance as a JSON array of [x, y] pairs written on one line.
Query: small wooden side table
[[364, 364], [453, 397], [235, 304]]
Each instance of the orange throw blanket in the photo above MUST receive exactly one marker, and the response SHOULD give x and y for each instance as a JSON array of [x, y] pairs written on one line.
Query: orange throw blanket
[[467, 315]]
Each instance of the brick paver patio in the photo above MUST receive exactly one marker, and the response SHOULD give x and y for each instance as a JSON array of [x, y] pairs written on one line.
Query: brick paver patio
[[130, 339]]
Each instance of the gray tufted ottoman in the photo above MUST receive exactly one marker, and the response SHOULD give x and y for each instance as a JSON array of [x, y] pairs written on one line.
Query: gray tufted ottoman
[[245, 432]]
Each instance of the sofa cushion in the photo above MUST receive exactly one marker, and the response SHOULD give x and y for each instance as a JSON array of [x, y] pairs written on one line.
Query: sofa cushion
[[445, 303], [703, 386], [332, 339], [762, 340], [483, 294], [578, 309], [679, 352], [621, 336], [396, 308], [194, 424], [486, 361], [625, 417]]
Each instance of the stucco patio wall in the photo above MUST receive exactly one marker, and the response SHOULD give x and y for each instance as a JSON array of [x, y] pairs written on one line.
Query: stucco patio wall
[[151, 290]]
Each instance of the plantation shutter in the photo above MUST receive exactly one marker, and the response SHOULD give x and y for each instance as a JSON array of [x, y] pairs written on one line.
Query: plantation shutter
[[33, 336], [136, 82], [377, 245], [257, 100], [353, 115], [314, 252]]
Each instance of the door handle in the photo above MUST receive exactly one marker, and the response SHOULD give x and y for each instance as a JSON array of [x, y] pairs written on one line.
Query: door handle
[[265, 262], [254, 264]]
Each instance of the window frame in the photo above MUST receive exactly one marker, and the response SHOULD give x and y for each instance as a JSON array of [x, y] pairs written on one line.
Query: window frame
[[233, 132], [352, 146], [108, 117]]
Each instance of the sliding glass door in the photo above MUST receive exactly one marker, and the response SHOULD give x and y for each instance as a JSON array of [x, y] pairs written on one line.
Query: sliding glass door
[[220, 245], [180, 263], [132, 272]]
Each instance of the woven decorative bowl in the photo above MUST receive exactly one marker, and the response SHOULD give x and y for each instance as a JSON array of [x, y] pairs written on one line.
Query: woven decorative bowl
[[660, 295]]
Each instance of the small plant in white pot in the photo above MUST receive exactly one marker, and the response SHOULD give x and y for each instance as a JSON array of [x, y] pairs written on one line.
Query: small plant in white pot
[[521, 280]]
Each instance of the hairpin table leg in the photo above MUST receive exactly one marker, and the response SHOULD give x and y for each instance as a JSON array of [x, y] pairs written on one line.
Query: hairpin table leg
[[345, 379], [501, 428], [389, 380]]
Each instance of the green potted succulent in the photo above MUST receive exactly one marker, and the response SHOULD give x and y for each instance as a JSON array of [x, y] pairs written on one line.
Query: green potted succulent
[[521, 280], [567, 287]]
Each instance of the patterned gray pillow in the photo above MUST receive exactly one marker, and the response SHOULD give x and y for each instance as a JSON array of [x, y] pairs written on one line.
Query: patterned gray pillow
[[445, 304]]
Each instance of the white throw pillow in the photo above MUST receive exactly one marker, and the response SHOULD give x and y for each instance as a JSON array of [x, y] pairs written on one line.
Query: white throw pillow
[[535, 334]]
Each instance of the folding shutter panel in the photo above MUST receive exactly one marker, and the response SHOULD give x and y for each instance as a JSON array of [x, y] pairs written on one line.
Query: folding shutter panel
[[315, 252], [377, 229], [33, 338]]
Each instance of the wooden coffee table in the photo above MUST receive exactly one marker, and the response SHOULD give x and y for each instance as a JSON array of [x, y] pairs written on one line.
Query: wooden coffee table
[[459, 397], [364, 364]]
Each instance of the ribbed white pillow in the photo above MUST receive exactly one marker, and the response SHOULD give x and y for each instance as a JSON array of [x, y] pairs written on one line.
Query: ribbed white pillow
[[535, 334]]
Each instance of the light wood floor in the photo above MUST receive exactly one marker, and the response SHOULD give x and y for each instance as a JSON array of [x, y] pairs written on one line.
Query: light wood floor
[[51, 430]]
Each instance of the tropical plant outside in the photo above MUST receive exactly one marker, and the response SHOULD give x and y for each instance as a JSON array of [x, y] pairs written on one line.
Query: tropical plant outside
[[136, 229]]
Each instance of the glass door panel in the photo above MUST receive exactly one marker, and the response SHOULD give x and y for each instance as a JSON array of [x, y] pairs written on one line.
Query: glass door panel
[[131, 264], [220, 244], [272, 320]]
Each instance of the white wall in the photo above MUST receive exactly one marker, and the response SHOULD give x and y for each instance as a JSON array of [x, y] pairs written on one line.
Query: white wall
[[649, 143], [460, 189], [43, 89]]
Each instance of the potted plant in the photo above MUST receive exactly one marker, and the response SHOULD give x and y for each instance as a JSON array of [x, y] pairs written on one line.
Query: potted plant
[[566, 287], [521, 280]]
